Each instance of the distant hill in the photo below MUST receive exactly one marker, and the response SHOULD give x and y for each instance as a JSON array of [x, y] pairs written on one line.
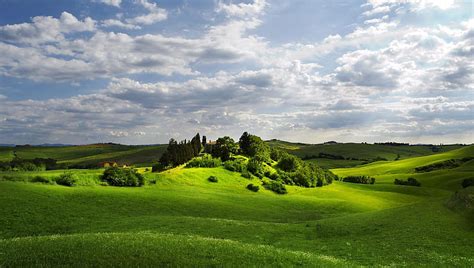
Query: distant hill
[[443, 177], [335, 155], [87, 154]]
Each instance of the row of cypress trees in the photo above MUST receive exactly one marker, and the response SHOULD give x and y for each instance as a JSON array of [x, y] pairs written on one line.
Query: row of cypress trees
[[179, 153]]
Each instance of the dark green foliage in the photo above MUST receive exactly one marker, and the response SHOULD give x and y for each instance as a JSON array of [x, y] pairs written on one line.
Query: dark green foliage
[[204, 141], [246, 174], [294, 171], [253, 188], [319, 182], [205, 161], [40, 179], [158, 167], [224, 147], [255, 167], [275, 154], [359, 179], [289, 163], [409, 182], [66, 179], [467, 182], [275, 186], [254, 146], [5, 166], [36, 164], [448, 164], [179, 153], [236, 165], [212, 179], [116, 176]]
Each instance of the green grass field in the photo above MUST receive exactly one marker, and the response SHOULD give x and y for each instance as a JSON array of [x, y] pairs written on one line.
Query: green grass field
[[358, 151], [88, 154], [184, 220]]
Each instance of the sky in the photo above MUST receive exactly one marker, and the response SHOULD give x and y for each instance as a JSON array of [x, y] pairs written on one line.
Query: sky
[[143, 71]]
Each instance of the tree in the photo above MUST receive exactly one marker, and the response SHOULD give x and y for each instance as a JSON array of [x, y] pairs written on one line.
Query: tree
[[196, 144], [224, 147], [244, 143], [204, 141], [254, 146]]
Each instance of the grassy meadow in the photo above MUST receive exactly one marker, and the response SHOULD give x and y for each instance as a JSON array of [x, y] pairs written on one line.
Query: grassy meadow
[[179, 218]]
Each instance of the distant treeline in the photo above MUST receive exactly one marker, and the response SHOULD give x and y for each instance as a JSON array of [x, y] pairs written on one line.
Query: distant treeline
[[340, 157], [448, 164], [36, 164], [391, 143]]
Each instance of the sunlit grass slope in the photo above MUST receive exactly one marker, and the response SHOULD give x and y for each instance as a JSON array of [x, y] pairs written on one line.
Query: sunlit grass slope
[[448, 179], [358, 151], [185, 220], [87, 154]]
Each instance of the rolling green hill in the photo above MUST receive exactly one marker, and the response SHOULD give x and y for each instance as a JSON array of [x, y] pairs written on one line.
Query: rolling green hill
[[449, 178], [181, 219], [88, 154], [356, 153]]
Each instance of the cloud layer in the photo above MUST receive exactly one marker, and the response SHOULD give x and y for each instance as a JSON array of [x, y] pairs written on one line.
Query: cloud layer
[[387, 79]]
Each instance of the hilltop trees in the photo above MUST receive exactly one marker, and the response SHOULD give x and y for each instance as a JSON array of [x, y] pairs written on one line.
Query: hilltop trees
[[179, 153], [254, 146], [261, 161], [224, 147]]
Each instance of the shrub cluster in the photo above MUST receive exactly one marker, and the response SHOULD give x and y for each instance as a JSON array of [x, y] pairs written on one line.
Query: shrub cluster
[[236, 165], [359, 179], [246, 174], [275, 186], [66, 179], [467, 182], [116, 176], [40, 179], [255, 167], [212, 179], [448, 164], [205, 161], [158, 167], [253, 188], [409, 182], [36, 164]]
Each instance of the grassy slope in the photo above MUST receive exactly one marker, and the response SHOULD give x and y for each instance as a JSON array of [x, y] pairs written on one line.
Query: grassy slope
[[198, 222], [88, 154], [448, 179], [186, 220], [355, 150]]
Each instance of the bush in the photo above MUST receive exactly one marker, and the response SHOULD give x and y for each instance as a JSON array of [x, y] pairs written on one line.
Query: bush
[[319, 182], [204, 162], [212, 179], [467, 182], [255, 167], [359, 179], [116, 176], [237, 165], [246, 174], [253, 188], [40, 179], [409, 182], [289, 163], [66, 179], [275, 186], [274, 176], [158, 167]]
